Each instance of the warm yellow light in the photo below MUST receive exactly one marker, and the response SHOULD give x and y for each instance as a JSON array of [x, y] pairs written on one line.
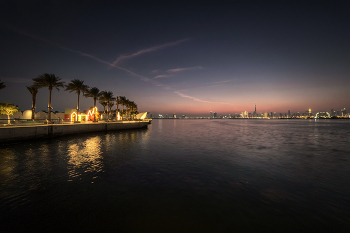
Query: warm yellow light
[[73, 116]]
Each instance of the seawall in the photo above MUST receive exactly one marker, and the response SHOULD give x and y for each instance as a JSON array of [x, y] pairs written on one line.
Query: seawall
[[14, 133]]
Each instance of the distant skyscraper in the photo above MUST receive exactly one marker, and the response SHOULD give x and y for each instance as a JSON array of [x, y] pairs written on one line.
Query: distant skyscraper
[[211, 114], [215, 114], [254, 113], [174, 115], [288, 113], [343, 111]]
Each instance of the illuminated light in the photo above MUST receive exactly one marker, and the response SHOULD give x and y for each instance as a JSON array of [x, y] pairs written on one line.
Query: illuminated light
[[119, 117], [92, 113], [73, 116], [142, 115]]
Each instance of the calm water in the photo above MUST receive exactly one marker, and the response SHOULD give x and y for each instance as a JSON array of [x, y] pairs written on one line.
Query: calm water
[[182, 176]]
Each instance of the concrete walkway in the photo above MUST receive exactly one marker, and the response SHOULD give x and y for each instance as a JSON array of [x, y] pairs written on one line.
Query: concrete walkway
[[29, 131]]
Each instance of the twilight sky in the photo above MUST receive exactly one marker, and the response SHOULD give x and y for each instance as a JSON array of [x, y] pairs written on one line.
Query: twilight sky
[[184, 58]]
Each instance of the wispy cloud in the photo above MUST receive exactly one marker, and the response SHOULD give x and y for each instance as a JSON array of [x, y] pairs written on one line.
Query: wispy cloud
[[184, 69], [152, 49], [162, 76], [199, 100]]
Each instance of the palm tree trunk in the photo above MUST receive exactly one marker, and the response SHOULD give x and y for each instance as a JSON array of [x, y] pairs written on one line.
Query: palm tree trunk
[[33, 107], [49, 106], [94, 109], [117, 106], [8, 120], [78, 104], [123, 111], [104, 112]]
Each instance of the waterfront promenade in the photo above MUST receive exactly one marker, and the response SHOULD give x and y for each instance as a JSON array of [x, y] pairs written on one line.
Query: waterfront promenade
[[33, 130]]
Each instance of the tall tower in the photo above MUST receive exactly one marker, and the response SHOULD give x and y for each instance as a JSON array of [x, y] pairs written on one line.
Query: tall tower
[[255, 108]]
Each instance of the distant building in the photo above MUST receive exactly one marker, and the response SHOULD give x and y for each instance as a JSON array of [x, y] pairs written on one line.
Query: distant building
[[254, 113], [343, 111], [215, 114]]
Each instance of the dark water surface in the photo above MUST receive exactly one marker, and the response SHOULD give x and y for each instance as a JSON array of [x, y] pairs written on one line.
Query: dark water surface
[[182, 176]]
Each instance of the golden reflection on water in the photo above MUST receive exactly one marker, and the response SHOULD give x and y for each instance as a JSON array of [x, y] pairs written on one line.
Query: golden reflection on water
[[7, 165], [85, 157]]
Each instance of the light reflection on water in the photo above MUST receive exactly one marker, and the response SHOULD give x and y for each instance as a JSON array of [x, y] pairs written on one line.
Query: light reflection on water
[[86, 155], [183, 176]]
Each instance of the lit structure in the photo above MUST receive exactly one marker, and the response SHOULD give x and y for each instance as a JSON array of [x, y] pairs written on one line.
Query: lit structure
[[93, 114], [142, 116], [73, 115], [78, 117], [323, 115]]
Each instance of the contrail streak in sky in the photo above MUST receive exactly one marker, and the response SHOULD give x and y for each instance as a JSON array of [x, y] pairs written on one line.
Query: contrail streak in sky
[[114, 64], [152, 49], [19, 31]]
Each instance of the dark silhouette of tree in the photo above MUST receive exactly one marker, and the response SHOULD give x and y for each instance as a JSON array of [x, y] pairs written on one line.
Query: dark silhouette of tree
[[78, 87], [104, 104], [110, 105], [33, 90], [122, 102], [106, 97], [51, 81], [133, 109], [2, 85]]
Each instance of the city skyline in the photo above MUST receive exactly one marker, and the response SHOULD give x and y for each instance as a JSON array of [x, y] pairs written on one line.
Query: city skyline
[[181, 58], [258, 114]]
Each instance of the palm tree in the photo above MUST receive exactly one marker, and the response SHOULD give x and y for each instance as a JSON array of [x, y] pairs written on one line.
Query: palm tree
[[133, 109], [95, 93], [104, 104], [122, 102], [50, 81], [107, 97], [78, 86], [2, 85], [110, 105], [33, 90], [127, 105]]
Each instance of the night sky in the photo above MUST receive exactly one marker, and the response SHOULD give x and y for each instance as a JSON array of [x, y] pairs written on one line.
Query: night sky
[[181, 57]]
